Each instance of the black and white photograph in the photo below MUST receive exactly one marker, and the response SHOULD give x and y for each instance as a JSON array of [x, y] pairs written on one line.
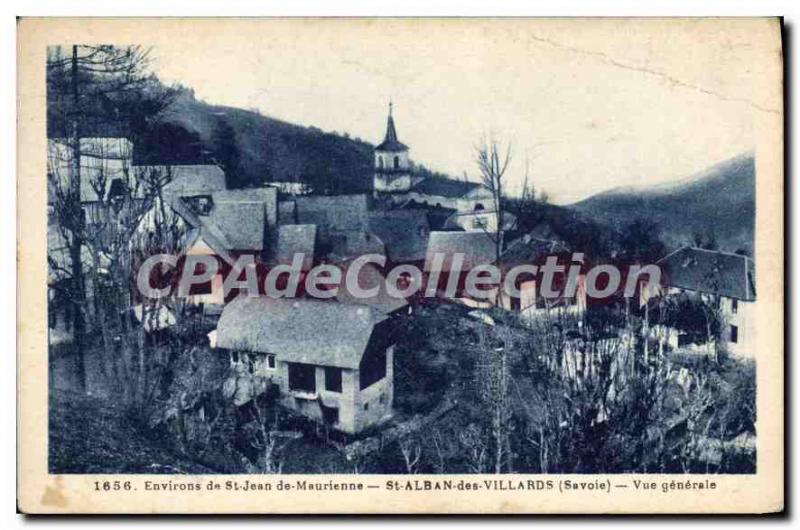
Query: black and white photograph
[[414, 252]]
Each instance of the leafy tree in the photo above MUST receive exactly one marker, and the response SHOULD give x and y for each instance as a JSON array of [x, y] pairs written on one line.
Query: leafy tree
[[227, 153], [641, 242]]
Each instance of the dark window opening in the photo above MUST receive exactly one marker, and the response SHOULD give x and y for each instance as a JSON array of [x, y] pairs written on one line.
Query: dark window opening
[[250, 363], [330, 415], [201, 204], [333, 379], [366, 406], [397, 162], [734, 306], [380, 162], [734, 334], [372, 368], [479, 207], [271, 361], [516, 304], [302, 377]]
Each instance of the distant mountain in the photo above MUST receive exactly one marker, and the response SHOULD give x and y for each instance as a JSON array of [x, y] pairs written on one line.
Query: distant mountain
[[718, 203], [270, 150]]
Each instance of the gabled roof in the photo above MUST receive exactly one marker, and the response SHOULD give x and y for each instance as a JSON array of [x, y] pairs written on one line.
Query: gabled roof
[[266, 196], [370, 277], [710, 271], [477, 249], [403, 232], [241, 224], [296, 239], [443, 187], [191, 180], [333, 212], [530, 250], [322, 333], [390, 141], [347, 244]]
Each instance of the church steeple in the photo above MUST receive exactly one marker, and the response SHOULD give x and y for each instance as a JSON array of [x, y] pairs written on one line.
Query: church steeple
[[390, 141], [392, 165]]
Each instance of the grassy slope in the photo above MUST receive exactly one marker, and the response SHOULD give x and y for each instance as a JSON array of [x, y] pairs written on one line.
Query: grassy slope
[[90, 435]]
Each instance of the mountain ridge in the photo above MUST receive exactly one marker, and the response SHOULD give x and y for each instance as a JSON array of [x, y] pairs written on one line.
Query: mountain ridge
[[716, 204]]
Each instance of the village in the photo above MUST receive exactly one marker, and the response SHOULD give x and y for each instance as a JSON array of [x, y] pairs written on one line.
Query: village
[[312, 383]]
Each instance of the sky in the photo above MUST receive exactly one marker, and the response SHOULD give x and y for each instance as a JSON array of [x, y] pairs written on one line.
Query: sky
[[585, 105]]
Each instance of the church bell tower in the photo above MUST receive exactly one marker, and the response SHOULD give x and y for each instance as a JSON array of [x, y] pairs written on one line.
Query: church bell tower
[[392, 166]]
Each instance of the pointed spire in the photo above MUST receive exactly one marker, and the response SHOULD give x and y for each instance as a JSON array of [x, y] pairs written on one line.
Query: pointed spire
[[391, 133], [390, 141]]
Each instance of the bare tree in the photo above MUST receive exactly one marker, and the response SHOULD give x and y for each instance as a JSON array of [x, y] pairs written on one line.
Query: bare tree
[[493, 162], [411, 450], [92, 91]]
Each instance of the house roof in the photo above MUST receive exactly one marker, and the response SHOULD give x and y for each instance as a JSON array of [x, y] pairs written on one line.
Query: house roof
[[293, 239], [530, 250], [403, 232], [477, 248], [370, 277], [241, 224], [287, 212], [238, 219], [390, 142], [190, 180], [334, 212], [709, 271], [322, 333], [267, 196], [443, 187], [346, 244]]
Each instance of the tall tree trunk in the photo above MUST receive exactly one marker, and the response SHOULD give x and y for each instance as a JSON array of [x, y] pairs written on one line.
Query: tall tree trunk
[[78, 293]]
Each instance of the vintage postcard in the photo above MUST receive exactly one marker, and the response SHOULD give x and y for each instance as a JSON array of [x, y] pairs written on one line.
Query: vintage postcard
[[456, 266]]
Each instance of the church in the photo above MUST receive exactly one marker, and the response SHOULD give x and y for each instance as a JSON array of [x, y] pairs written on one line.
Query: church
[[397, 184]]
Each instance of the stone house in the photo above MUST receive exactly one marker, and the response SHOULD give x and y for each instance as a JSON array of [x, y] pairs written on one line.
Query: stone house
[[332, 362], [721, 278]]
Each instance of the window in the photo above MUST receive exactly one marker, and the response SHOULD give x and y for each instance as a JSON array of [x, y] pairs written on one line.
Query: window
[[366, 406], [201, 204], [397, 162], [734, 306], [330, 415], [734, 334], [372, 368], [478, 207], [333, 379], [271, 362], [302, 377], [380, 162], [249, 362]]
